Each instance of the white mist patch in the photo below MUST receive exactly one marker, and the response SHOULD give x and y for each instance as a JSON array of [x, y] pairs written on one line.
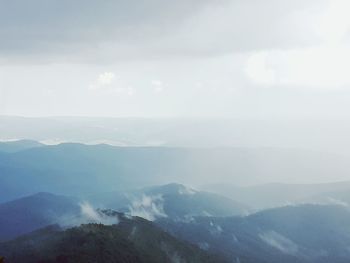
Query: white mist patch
[[205, 213], [279, 242], [92, 215], [88, 214], [235, 239], [172, 255], [187, 191], [53, 141], [335, 201], [10, 139], [133, 232], [148, 207], [325, 201], [215, 229], [203, 245]]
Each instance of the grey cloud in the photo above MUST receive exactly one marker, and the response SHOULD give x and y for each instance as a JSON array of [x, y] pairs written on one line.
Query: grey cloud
[[93, 30], [54, 26]]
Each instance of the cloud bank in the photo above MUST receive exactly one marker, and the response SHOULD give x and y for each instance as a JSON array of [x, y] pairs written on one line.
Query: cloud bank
[[88, 31]]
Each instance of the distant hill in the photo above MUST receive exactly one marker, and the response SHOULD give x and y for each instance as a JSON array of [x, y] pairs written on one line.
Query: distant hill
[[33, 212], [172, 200], [278, 194], [183, 132], [18, 145], [305, 234], [74, 169], [131, 240]]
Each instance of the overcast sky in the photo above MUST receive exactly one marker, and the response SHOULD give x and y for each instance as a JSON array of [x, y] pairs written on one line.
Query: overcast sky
[[160, 58]]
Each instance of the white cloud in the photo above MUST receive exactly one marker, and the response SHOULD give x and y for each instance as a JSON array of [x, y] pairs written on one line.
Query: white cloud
[[334, 23], [339, 202], [187, 191], [315, 67], [131, 91], [323, 67], [258, 70], [148, 207], [103, 80], [158, 86], [88, 214]]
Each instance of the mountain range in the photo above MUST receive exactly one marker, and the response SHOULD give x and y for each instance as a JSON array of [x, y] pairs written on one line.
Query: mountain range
[[301, 233], [280, 194], [305, 234], [174, 201], [100, 203], [77, 169]]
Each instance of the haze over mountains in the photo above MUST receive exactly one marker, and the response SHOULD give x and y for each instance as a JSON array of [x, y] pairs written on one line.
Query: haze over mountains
[[30, 213], [277, 194], [307, 233], [76, 168], [147, 203]]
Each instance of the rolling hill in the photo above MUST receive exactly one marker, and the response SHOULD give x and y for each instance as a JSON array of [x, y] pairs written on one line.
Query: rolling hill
[[33, 212]]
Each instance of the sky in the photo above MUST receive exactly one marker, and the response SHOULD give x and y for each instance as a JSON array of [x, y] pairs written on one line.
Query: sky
[[272, 59]]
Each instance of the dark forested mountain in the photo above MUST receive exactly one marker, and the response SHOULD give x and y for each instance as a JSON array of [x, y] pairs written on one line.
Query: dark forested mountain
[[33, 212], [308, 233], [133, 240], [172, 200]]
